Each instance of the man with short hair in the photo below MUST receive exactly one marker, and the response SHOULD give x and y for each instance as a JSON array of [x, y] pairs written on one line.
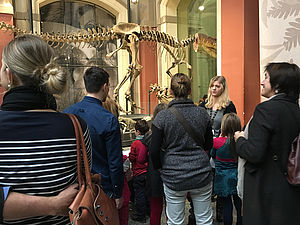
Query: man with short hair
[[104, 131]]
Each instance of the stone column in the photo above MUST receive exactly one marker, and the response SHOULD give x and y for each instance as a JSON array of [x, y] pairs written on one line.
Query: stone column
[[22, 17]]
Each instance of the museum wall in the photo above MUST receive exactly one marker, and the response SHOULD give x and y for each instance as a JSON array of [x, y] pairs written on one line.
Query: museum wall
[[279, 32]]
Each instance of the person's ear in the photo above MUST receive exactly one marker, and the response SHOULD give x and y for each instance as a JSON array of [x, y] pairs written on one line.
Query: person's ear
[[106, 86], [9, 75], [103, 87]]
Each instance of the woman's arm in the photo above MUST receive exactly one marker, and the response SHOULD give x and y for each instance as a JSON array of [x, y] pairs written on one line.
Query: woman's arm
[[208, 139], [260, 129], [20, 206], [213, 153], [157, 138], [132, 154]]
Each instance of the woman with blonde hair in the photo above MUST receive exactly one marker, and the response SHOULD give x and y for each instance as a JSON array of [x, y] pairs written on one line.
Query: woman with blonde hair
[[217, 103], [37, 144]]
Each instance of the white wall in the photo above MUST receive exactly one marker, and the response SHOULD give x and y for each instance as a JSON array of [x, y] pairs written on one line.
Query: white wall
[[279, 32]]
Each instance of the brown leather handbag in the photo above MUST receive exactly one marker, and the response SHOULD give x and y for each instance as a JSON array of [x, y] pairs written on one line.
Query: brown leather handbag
[[91, 205]]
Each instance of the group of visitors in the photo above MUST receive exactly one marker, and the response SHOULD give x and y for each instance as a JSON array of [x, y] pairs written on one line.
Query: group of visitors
[[184, 161], [172, 160]]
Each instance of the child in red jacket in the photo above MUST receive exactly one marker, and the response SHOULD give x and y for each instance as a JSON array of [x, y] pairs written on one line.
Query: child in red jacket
[[138, 158]]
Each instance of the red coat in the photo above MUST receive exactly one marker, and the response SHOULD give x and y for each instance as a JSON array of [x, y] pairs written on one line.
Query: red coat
[[138, 158]]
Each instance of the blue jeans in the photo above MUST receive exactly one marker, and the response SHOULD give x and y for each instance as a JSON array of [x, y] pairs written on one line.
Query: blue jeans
[[175, 205]]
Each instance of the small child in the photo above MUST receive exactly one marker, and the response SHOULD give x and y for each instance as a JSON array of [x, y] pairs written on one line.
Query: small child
[[138, 158], [225, 183]]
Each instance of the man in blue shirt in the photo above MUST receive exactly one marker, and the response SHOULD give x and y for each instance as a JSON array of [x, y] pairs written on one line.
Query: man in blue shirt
[[104, 131]]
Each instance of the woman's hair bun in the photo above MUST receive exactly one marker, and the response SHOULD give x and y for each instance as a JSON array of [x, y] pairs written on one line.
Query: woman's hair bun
[[53, 77], [182, 80], [180, 85]]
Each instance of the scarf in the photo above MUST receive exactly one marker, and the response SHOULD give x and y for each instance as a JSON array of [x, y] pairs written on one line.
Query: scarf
[[24, 98]]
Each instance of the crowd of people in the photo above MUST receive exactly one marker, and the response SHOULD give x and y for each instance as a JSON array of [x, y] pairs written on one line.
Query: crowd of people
[[189, 152]]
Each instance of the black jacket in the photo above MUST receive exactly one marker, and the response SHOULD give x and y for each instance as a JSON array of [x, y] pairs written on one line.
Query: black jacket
[[230, 108], [154, 185], [268, 198]]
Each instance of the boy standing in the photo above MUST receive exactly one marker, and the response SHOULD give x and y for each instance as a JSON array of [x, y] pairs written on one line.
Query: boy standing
[[138, 158]]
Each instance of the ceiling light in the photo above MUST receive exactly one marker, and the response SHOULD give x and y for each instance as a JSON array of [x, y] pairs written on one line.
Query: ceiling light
[[201, 7]]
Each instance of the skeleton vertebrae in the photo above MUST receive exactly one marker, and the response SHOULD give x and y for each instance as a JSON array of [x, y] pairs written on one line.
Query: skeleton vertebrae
[[130, 35]]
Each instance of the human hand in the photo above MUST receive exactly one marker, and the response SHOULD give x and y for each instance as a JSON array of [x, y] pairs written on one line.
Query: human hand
[[63, 200], [238, 134], [128, 175], [119, 202]]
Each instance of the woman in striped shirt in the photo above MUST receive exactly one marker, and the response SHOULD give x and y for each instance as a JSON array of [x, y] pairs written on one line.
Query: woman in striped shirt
[[37, 144]]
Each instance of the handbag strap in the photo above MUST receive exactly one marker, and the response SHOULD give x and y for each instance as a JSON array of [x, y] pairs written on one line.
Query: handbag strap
[[186, 125], [81, 151]]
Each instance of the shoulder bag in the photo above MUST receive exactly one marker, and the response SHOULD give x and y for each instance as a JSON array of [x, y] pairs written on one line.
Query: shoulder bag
[[91, 205], [186, 125], [293, 165]]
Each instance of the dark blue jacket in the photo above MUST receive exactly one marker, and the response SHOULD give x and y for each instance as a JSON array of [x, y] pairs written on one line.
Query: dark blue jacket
[[106, 140]]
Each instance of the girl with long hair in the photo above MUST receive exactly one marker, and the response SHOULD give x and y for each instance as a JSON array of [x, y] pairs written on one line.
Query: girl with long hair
[[225, 181]]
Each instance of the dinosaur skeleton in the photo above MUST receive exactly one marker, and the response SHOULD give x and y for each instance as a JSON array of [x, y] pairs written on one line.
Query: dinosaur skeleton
[[130, 35], [162, 94], [206, 44]]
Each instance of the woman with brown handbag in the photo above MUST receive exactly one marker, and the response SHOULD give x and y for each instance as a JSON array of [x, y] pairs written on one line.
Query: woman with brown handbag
[[37, 144]]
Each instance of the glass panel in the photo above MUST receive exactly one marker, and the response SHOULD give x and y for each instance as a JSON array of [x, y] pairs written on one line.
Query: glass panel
[[75, 16], [190, 21]]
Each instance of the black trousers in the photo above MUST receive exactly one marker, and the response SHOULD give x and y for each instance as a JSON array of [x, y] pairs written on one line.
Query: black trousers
[[141, 200], [227, 209]]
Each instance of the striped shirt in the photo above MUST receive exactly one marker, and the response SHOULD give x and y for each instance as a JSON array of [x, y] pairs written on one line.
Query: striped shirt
[[38, 156]]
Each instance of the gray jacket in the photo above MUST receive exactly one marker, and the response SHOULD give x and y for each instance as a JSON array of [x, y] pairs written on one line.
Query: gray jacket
[[185, 165]]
